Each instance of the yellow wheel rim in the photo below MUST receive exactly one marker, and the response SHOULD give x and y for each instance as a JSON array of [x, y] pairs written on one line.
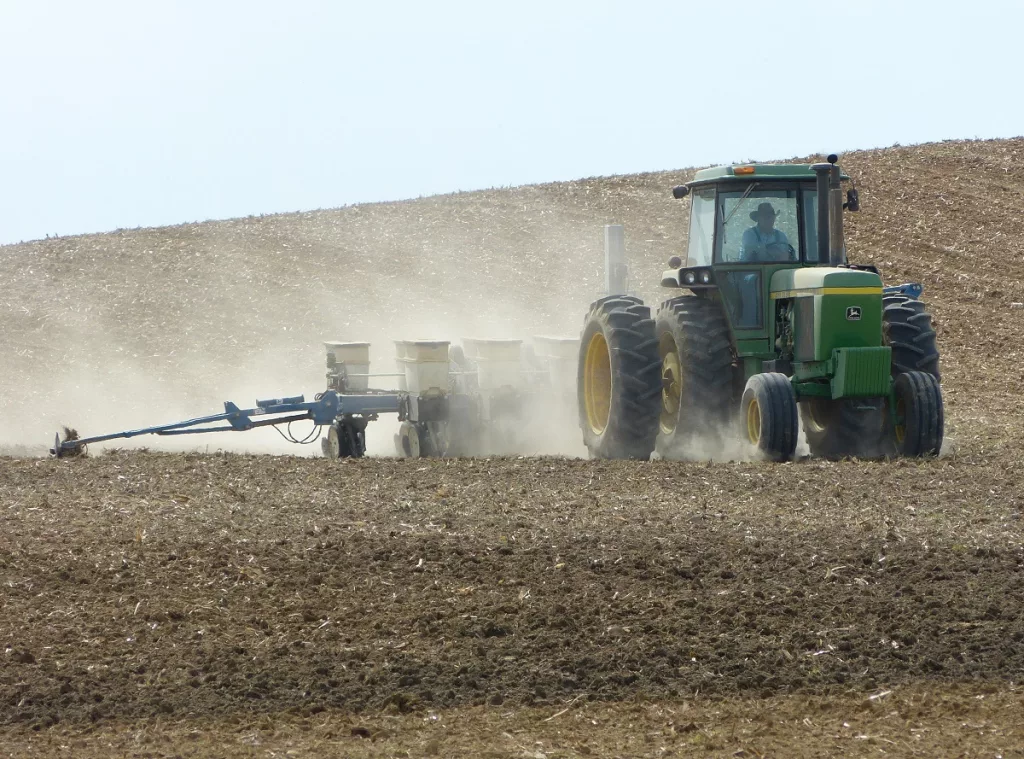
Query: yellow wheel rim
[[754, 421], [671, 384], [597, 384], [817, 414], [900, 430]]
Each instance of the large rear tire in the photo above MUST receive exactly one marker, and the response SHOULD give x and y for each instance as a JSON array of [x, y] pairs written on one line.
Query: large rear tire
[[907, 329], [619, 380], [697, 373]]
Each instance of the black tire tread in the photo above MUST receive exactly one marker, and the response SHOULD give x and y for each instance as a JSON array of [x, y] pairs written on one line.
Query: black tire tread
[[774, 393], [704, 341], [633, 420], [925, 422], [907, 329]]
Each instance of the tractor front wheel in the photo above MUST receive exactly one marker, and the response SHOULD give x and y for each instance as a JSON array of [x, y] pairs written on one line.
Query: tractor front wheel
[[919, 416], [619, 379], [768, 415]]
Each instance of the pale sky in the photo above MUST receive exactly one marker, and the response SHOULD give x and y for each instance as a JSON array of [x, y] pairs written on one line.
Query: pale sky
[[123, 114]]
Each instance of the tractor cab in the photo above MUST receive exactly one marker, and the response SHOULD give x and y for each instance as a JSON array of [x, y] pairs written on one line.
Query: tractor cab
[[752, 214], [747, 223]]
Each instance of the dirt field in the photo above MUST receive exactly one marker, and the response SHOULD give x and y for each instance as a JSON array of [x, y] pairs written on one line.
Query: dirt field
[[186, 604], [710, 606]]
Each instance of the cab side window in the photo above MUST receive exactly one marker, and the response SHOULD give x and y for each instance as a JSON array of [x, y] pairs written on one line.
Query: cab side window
[[810, 214], [702, 227]]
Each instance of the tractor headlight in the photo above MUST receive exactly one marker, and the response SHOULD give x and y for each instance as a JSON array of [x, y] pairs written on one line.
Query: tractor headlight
[[705, 277], [690, 277]]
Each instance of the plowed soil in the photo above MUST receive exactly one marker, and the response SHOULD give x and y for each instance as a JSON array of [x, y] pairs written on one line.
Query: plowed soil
[[231, 589], [187, 604]]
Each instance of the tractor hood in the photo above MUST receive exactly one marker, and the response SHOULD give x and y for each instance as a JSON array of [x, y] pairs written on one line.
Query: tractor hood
[[833, 308], [819, 280]]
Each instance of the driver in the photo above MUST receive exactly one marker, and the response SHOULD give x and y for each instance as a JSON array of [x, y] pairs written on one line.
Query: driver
[[758, 239]]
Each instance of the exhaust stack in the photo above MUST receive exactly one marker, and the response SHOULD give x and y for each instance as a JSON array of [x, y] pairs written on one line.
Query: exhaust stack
[[831, 241]]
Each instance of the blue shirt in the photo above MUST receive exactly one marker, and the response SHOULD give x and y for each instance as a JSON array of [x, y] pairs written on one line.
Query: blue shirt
[[754, 243]]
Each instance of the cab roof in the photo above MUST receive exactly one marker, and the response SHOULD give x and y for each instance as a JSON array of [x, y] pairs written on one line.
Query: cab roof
[[756, 171]]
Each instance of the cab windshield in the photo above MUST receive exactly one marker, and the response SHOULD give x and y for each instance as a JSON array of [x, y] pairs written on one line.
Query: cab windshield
[[767, 223]]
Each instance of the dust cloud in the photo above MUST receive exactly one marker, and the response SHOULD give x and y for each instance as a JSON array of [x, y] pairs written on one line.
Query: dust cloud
[[135, 328]]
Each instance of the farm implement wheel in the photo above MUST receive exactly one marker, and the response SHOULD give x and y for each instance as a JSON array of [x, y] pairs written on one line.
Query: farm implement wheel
[[619, 380], [407, 441], [422, 440], [917, 429], [330, 444], [769, 415], [344, 440], [697, 373]]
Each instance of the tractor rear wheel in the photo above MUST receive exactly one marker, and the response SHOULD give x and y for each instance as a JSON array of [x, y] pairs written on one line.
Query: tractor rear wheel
[[618, 379], [769, 415], [907, 329], [697, 372], [919, 423]]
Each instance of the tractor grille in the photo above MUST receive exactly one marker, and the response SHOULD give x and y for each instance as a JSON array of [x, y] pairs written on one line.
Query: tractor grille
[[861, 372]]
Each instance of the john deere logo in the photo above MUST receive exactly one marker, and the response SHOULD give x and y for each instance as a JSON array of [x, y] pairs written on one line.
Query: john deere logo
[[853, 314]]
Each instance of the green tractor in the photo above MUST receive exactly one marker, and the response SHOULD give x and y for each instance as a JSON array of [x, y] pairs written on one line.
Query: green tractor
[[777, 328]]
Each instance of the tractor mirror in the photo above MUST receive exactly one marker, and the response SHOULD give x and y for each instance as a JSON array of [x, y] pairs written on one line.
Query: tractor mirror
[[675, 262], [680, 192], [852, 201]]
